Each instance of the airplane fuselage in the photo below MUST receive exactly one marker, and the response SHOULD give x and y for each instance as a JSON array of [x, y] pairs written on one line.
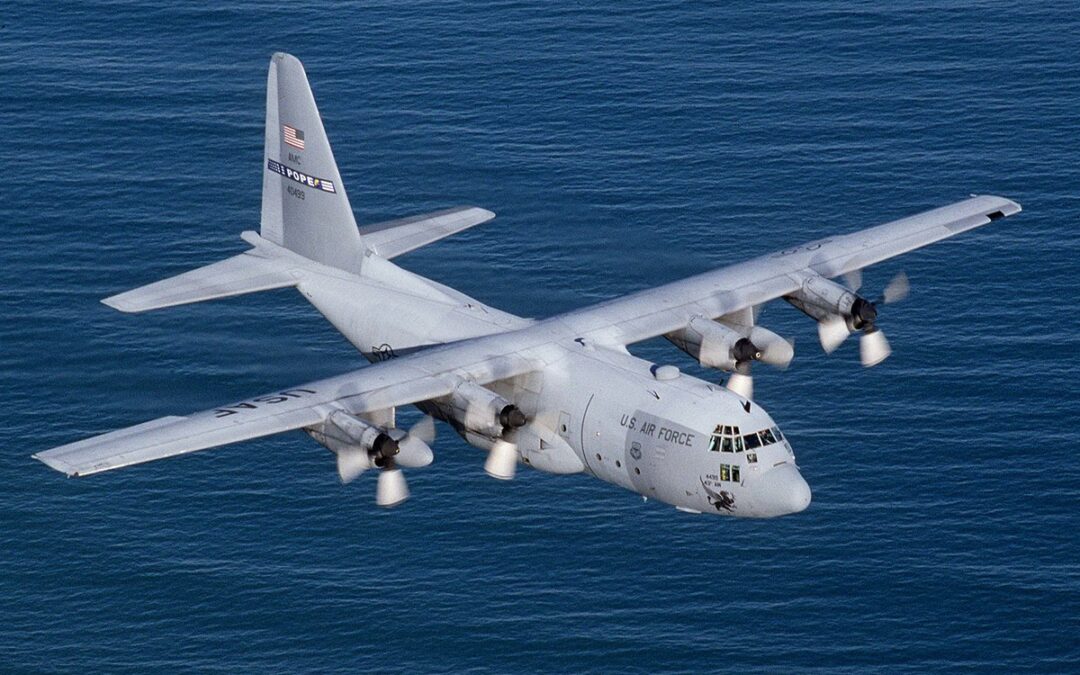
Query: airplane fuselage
[[652, 430]]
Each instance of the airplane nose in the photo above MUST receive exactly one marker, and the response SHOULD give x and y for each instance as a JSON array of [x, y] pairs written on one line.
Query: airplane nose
[[781, 491]]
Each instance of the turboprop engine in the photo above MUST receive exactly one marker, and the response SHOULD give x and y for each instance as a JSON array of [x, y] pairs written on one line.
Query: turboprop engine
[[732, 347], [486, 419], [841, 311], [361, 445]]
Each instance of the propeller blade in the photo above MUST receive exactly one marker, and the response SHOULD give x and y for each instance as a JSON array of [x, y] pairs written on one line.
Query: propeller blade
[[424, 430], [778, 353], [502, 460], [755, 312], [854, 279], [897, 289], [392, 489], [352, 463], [414, 452], [832, 332], [873, 348], [741, 384]]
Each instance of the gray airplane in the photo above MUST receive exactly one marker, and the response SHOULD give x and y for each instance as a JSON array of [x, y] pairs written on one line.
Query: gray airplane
[[562, 394]]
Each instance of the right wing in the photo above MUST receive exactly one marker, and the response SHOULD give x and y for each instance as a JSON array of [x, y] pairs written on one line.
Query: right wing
[[377, 387]]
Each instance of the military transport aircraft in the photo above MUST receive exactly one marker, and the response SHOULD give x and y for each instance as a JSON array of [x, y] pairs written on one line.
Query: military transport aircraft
[[561, 394]]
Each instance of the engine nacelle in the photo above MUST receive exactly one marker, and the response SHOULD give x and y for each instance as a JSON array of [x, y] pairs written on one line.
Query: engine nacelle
[[723, 346], [343, 432], [479, 410], [820, 298]]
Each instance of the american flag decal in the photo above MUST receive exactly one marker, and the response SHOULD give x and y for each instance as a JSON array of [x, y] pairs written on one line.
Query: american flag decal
[[294, 137]]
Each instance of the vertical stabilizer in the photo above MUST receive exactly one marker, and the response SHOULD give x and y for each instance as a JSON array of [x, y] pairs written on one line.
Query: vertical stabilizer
[[304, 205]]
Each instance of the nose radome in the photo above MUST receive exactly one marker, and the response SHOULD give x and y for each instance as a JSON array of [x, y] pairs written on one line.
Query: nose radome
[[782, 491]]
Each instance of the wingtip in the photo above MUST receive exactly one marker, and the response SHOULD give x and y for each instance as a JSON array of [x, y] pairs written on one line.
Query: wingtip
[[481, 214], [54, 464], [118, 303]]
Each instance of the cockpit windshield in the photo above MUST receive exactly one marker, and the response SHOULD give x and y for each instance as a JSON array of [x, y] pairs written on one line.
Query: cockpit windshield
[[726, 438]]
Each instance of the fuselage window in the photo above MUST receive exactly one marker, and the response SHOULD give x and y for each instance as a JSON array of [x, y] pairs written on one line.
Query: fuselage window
[[725, 472], [735, 474]]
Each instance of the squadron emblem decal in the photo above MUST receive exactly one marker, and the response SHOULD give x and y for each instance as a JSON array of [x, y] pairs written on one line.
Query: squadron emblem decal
[[722, 500], [302, 178]]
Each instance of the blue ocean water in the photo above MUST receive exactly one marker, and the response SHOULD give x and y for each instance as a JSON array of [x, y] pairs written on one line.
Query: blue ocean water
[[623, 146]]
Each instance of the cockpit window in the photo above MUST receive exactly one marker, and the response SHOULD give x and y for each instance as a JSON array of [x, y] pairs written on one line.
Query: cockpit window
[[767, 437], [726, 438], [752, 441]]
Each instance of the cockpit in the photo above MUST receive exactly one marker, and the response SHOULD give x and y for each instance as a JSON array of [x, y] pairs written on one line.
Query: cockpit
[[727, 438]]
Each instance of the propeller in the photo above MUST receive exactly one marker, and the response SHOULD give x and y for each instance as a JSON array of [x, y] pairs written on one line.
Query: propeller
[[776, 351], [873, 346], [502, 459], [389, 450]]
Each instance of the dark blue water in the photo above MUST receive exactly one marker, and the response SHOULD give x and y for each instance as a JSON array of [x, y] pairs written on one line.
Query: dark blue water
[[622, 146]]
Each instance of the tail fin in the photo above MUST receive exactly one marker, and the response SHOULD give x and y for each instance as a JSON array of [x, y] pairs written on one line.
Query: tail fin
[[304, 205]]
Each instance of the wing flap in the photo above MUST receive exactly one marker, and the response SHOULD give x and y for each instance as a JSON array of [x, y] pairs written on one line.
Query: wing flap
[[396, 237]]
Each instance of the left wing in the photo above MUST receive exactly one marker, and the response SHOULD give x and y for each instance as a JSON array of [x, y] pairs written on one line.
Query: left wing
[[378, 387]]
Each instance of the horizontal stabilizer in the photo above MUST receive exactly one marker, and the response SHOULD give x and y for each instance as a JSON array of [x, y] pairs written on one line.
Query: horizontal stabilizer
[[395, 237], [245, 273]]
